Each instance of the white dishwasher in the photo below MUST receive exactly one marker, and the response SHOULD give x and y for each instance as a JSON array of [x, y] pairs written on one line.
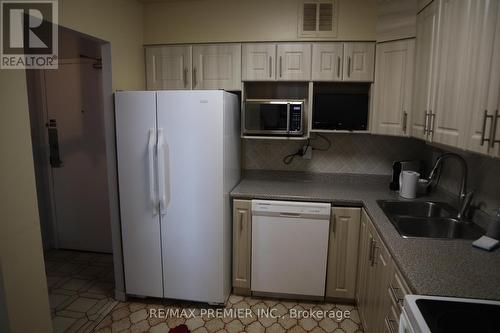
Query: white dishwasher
[[289, 247]]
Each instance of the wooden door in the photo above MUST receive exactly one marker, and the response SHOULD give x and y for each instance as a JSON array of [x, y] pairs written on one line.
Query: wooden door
[[242, 233], [74, 106], [359, 61], [168, 67], [327, 61], [293, 62], [217, 66], [258, 62], [343, 252], [393, 87]]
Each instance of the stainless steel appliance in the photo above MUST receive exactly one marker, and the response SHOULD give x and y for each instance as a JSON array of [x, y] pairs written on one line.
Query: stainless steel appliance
[[273, 117]]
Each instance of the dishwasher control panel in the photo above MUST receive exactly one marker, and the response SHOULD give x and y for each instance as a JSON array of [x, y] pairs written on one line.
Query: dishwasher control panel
[[290, 207]]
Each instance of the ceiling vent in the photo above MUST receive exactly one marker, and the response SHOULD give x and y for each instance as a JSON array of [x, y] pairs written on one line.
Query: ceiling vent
[[317, 19]]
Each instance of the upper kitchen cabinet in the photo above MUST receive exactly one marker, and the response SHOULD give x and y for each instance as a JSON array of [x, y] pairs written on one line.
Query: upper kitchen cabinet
[[217, 66], [294, 62], [359, 61], [327, 61], [258, 62], [350, 61], [271, 62], [393, 87], [168, 67], [425, 72], [484, 131], [449, 119]]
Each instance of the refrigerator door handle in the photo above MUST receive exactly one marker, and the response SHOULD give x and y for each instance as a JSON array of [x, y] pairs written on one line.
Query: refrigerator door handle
[[151, 152], [161, 172]]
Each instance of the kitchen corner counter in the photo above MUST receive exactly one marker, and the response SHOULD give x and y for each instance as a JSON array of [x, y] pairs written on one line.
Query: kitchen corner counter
[[430, 266]]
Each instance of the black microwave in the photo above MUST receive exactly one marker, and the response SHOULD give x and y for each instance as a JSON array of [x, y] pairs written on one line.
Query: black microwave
[[273, 117], [343, 109]]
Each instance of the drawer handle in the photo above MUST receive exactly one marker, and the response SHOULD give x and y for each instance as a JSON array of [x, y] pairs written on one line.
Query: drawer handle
[[395, 294], [390, 323]]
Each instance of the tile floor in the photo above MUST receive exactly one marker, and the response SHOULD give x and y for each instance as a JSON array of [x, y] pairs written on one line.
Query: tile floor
[[135, 316], [80, 289]]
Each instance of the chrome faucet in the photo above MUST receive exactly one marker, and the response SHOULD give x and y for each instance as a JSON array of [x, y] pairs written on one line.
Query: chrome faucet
[[465, 198]]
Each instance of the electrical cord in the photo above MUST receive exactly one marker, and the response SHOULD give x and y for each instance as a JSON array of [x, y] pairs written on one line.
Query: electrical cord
[[329, 143], [288, 159]]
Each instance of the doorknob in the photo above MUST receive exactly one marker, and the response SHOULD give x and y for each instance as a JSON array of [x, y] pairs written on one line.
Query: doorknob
[[55, 160]]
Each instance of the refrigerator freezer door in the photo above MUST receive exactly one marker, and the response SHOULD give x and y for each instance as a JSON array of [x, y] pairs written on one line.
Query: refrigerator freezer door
[[192, 226], [136, 138]]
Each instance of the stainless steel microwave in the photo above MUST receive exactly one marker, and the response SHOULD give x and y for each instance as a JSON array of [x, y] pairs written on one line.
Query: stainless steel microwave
[[273, 117]]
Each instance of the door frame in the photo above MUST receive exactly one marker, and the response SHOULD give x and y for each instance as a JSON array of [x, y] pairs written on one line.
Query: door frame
[[38, 114]]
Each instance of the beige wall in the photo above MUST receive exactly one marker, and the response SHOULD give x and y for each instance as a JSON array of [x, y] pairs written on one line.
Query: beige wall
[[192, 21], [119, 22], [21, 258]]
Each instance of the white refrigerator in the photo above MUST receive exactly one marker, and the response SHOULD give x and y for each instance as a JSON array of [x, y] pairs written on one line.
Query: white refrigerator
[[178, 159]]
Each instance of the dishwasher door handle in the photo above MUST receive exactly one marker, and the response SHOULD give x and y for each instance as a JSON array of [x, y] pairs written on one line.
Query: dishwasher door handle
[[290, 214]]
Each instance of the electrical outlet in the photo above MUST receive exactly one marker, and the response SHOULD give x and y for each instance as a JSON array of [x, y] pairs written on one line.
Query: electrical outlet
[[307, 152]]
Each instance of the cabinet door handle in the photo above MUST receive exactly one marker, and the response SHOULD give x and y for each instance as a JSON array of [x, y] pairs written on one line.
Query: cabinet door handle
[[338, 67], [374, 259], [432, 117], [194, 77], [334, 224], [405, 121], [281, 67], [241, 221], [493, 139], [483, 129], [270, 67], [425, 121], [348, 66], [372, 249], [184, 76]]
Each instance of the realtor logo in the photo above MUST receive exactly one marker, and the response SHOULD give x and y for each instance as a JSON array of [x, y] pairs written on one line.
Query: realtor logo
[[28, 34]]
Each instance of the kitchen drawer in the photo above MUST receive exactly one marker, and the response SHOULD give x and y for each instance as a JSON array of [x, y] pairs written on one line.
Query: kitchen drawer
[[398, 289], [391, 321]]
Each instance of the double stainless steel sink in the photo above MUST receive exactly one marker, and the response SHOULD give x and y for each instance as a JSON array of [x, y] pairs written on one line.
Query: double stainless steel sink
[[428, 219]]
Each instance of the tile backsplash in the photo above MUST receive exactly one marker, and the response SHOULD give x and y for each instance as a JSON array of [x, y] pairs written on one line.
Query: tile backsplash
[[349, 153], [372, 154]]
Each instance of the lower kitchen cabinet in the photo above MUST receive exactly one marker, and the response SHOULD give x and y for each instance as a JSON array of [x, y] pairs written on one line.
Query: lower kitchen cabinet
[[376, 271], [343, 253], [242, 242]]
